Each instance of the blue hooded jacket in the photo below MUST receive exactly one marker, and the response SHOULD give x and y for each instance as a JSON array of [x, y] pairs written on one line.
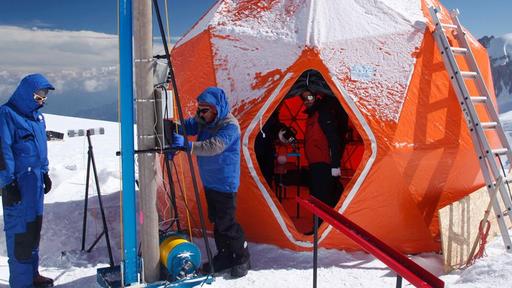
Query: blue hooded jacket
[[218, 144], [23, 131]]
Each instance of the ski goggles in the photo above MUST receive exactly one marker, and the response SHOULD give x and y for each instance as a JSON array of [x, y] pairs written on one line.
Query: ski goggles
[[39, 97]]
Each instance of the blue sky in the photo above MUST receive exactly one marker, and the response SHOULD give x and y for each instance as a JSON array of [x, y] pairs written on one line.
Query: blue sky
[[481, 17], [74, 43], [94, 15]]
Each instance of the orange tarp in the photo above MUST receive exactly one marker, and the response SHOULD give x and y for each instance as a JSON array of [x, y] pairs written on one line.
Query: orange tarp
[[418, 155]]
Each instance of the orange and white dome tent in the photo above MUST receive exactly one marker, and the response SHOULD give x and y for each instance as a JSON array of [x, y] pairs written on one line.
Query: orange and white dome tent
[[380, 61]]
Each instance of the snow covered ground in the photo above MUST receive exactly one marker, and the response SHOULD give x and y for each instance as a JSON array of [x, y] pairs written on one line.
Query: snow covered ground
[[62, 259]]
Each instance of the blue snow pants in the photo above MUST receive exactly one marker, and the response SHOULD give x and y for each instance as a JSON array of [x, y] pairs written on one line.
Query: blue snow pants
[[22, 226]]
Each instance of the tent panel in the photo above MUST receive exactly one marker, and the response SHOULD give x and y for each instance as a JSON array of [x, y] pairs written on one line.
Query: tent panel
[[417, 152], [193, 65]]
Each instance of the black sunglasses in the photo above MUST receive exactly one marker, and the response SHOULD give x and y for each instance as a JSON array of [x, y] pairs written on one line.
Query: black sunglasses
[[202, 111]]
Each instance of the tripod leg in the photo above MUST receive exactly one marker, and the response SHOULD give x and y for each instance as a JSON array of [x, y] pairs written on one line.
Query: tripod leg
[[96, 241], [86, 200], [103, 218]]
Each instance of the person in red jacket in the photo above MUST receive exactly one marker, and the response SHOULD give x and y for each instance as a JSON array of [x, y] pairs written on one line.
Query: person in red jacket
[[326, 126]]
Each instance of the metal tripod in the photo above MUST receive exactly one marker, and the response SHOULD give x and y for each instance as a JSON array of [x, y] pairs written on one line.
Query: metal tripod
[[90, 160]]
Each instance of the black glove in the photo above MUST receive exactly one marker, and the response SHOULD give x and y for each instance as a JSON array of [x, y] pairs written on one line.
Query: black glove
[[47, 183], [11, 194]]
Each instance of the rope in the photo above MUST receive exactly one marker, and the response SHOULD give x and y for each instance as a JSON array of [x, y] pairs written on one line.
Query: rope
[[183, 189], [184, 196], [181, 117], [181, 174], [485, 225], [483, 233]]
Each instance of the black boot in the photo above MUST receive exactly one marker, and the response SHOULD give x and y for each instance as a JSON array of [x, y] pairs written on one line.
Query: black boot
[[40, 281], [224, 258], [241, 262]]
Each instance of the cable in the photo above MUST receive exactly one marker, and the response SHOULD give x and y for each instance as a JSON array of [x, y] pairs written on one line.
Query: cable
[[184, 189], [181, 117], [187, 208], [160, 144]]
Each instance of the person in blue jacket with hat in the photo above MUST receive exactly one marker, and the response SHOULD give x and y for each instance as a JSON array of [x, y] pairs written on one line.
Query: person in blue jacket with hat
[[218, 156], [24, 178]]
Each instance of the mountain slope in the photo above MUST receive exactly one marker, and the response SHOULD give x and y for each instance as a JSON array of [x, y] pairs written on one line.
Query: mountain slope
[[500, 54]]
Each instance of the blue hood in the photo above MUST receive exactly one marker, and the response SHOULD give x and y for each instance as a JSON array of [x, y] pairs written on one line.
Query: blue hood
[[22, 100], [215, 96]]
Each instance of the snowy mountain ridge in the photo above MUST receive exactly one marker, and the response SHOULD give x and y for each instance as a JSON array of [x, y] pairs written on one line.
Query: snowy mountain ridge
[[500, 55]]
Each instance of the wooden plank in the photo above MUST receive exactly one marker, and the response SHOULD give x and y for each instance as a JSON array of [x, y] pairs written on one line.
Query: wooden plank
[[459, 223]]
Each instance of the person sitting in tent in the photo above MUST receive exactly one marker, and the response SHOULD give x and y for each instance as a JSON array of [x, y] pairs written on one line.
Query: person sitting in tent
[[24, 179], [326, 126], [218, 157]]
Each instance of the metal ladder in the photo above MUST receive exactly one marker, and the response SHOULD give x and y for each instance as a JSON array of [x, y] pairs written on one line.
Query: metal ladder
[[489, 157]]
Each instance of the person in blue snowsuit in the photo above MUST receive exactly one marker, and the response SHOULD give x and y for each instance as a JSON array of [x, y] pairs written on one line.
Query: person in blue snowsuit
[[218, 156], [24, 178]]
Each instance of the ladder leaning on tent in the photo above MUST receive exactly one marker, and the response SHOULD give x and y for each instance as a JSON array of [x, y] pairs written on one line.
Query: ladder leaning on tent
[[489, 158]]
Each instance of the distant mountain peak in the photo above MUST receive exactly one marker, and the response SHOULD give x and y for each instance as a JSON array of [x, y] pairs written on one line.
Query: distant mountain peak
[[499, 49], [486, 40]]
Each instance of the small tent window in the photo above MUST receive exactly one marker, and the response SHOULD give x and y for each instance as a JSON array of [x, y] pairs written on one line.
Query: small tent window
[[295, 146]]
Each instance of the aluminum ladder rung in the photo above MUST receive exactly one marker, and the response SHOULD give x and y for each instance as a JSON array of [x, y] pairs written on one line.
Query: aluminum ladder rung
[[459, 51], [489, 125], [449, 26], [488, 162], [479, 99], [499, 151], [469, 74]]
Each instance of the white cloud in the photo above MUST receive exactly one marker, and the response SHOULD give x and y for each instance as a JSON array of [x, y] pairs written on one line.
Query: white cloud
[[79, 60], [51, 50], [80, 64]]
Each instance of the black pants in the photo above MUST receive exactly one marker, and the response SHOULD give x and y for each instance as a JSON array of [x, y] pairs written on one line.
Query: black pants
[[227, 232], [322, 185]]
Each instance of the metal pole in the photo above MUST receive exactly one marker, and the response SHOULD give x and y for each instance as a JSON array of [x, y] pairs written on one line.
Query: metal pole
[[128, 217], [398, 281], [315, 249], [146, 138], [298, 184]]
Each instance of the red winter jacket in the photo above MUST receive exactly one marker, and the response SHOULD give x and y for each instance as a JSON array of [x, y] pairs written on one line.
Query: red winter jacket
[[325, 129]]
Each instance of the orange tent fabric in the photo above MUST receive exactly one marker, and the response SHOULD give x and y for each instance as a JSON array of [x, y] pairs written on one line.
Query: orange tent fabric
[[382, 64]]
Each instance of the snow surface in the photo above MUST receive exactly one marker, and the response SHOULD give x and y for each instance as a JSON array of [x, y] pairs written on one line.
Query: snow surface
[[272, 267]]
